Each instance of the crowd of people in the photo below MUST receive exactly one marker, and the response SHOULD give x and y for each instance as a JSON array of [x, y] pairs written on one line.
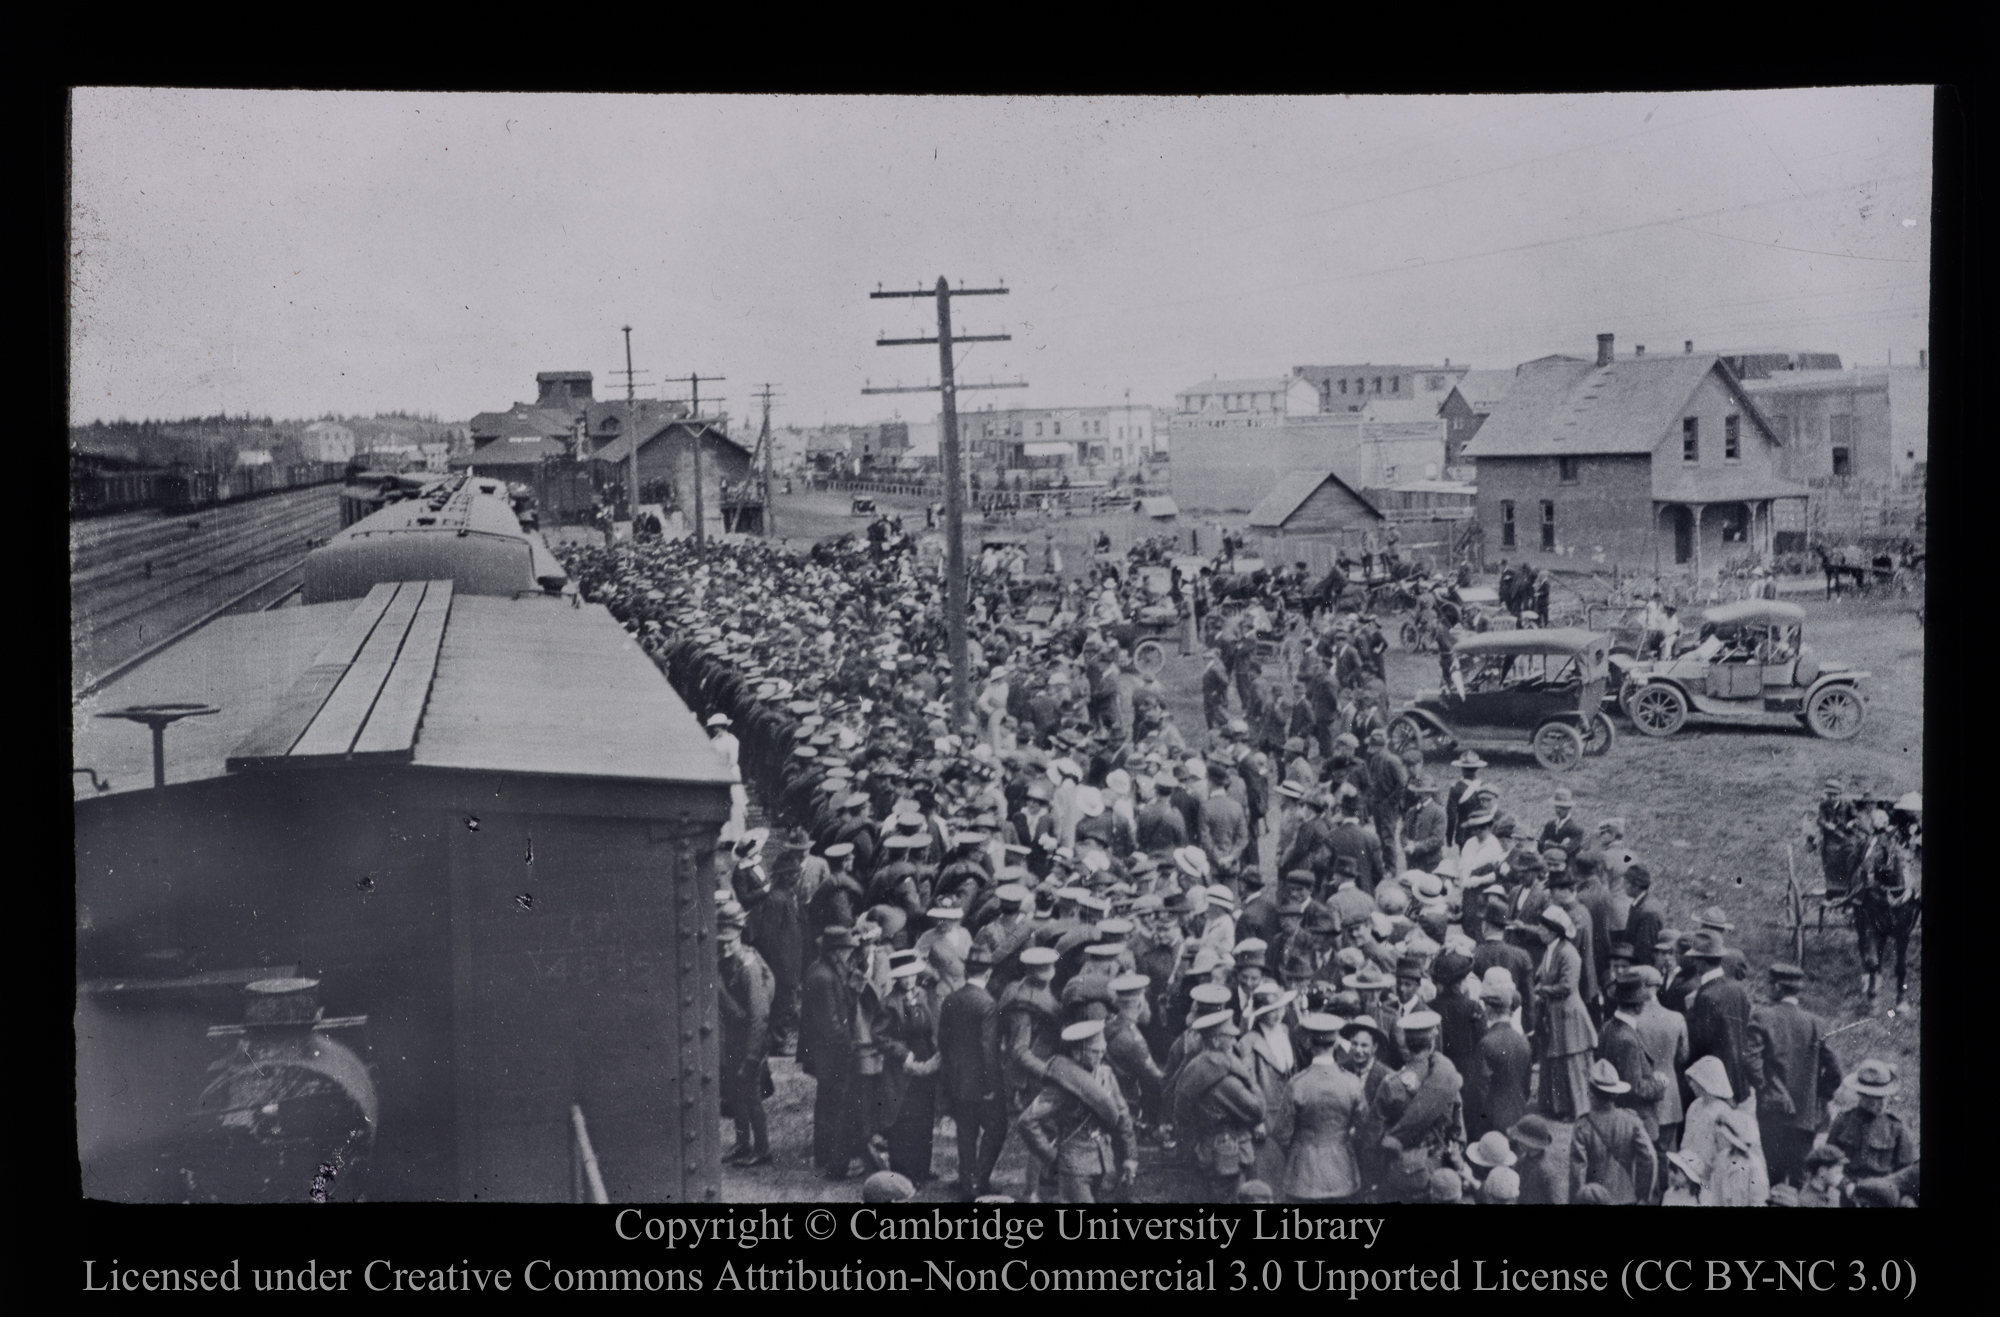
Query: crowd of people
[[1262, 958]]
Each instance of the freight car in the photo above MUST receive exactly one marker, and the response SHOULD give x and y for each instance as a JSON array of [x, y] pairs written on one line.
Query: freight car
[[400, 892], [97, 487]]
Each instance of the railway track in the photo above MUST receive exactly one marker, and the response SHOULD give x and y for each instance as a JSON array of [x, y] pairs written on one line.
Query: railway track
[[120, 615]]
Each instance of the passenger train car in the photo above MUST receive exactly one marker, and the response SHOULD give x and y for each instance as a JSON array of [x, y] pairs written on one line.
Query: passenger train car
[[400, 894]]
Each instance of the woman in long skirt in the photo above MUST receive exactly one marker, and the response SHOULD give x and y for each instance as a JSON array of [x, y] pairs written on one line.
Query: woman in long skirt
[[1568, 1037]]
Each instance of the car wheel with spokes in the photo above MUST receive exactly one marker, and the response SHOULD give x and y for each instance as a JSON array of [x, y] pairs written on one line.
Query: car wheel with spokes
[[1600, 737], [1558, 747], [1657, 710], [1836, 712], [1405, 732]]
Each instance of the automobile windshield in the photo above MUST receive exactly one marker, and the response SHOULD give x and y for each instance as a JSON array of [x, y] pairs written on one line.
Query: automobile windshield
[[1496, 672], [1745, 643]]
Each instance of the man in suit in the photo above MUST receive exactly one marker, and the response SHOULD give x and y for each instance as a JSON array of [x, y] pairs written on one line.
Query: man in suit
[[828, 996], [1800, 1075], [1215, 690], [1159, 826], [1351, 841], [1032, 822], [1498, 1086], [1563, 830], [1719, 1016], [1620, 1042], [968, 1039], [1663, 1033], [1642, 917]]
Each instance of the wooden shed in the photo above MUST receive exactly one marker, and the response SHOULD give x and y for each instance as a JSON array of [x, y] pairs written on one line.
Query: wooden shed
[[1308, 504]]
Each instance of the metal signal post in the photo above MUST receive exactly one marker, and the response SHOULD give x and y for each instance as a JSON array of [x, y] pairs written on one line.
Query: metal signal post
[[954, 497]]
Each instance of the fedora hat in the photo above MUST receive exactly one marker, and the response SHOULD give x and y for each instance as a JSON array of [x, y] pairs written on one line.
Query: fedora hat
[[1468, 760], [1876, 1079], [1564, 798], [1532, 1132]]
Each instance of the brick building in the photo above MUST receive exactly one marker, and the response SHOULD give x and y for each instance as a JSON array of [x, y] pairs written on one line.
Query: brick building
[[1871, 424], [1348, 388], [1090, 442], [1660, 463]]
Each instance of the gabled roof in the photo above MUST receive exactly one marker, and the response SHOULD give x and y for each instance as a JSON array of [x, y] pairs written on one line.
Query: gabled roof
[[615, 450], [523, 420], [1291, 492], [1575, 407], [1483, 388]]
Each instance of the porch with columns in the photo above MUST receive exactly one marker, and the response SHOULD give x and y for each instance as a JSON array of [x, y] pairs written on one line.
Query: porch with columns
[[1700, 534]]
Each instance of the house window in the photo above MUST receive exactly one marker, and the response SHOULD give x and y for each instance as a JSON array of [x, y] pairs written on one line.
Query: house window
[[1038, 429], [1506, 523], [1548, 526], [1395, 384], [1732, 438], [1566, 470], [1378, 384], [1691, 439], [1343, 386], [1782, 426], [1841, 466], [1435, 383], [1058, 426]]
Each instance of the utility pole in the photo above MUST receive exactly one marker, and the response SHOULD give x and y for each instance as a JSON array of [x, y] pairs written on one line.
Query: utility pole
[[694, 418], [765, 395], [954, 498], [631, 442]]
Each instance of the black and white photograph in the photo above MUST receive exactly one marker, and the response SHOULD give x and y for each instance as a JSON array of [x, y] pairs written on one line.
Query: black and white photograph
[[1304, 651]]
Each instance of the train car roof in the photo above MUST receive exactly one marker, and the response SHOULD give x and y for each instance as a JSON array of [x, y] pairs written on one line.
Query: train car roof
[[414, 674]]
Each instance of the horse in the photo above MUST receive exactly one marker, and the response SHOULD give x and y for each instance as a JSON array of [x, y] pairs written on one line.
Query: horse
[[1839, 570]]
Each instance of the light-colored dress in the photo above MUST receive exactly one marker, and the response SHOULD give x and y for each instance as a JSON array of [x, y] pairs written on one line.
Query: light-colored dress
[[1730, 1178]]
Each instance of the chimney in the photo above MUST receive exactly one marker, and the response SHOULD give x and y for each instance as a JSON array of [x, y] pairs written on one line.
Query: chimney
[[1639, 351], [1604, 349], [1688, 347]]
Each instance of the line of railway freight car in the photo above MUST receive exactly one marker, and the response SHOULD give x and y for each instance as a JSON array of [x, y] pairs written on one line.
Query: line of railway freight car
[[94, 491]]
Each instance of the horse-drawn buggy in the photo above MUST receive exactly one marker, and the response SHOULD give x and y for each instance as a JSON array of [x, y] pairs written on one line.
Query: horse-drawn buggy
[[1540, 690]]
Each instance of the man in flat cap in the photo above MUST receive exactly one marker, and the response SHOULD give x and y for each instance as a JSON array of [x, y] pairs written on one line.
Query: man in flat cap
[[1799, 1072], [1078, 1127], [1497, 1087]]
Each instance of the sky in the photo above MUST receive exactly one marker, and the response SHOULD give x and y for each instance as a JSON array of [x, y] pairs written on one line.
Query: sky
[[297, 254]]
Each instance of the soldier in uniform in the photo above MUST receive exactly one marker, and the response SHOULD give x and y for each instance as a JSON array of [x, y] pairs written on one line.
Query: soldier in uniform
[[1317, 1124], [1609, 1147], [1029, 1013], [745, 988], [1800, 1075], [1126, 1049], [1078, 1127], [1217, 1114], [829, 995], [1419, 1108], [1497, 1086], [1874, 1138]]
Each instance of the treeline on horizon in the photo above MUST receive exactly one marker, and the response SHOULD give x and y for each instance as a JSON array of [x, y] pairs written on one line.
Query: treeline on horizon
[[214, 441]]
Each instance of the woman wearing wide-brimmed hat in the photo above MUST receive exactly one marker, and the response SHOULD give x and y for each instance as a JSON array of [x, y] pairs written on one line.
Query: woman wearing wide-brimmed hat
[[1566, 1034], [1722, 1139]]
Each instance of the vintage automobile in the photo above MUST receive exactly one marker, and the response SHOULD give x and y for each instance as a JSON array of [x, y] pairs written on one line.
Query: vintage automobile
[[1542, 689], [1747, 663], [1624, 623], [862, 507]]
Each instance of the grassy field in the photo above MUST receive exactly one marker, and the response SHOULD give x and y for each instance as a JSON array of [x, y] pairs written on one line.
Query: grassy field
[[1710, 811]]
